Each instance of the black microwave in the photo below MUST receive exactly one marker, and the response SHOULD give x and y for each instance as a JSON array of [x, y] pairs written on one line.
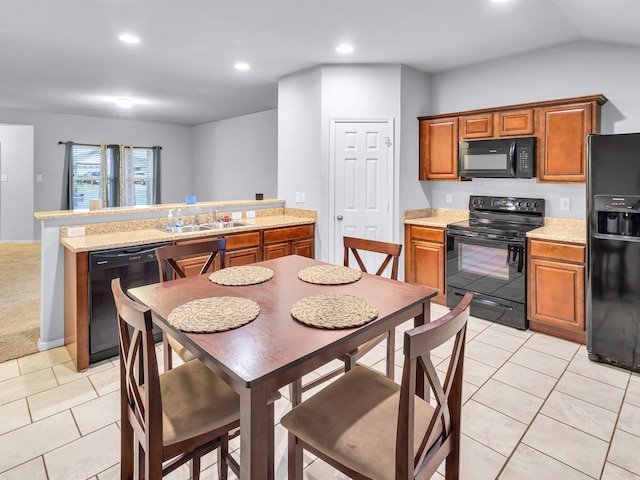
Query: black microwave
[[497, 158]]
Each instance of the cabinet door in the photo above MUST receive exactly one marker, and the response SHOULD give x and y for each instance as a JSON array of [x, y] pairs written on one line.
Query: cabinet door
[[276, 250], [476, 126], [515, 122], [439, 149], [556, 294], [303, 247], [562, 147], [428, 267], [241, 257], [192, 265]]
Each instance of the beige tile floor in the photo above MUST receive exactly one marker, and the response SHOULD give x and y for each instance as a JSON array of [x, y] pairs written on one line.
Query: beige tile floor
[[535, 408]]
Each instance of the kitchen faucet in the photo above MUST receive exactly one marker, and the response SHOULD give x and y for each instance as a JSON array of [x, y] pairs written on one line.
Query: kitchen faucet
[[215, 215]]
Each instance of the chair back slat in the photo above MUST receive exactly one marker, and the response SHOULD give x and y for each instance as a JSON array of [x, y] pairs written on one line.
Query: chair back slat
[[391, 250], [443, 433], [170, 255], [138, 367]]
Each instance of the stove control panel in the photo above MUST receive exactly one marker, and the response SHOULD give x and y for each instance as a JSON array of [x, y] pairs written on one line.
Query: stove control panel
[[506, 204]]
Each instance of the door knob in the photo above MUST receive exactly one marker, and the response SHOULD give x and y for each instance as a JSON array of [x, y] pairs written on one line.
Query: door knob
[[339, 217]]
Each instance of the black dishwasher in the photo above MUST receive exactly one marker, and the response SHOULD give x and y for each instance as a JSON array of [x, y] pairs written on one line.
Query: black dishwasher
[[135, 266]]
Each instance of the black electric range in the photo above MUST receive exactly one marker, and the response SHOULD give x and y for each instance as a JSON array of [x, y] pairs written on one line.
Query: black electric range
[[486, 255]]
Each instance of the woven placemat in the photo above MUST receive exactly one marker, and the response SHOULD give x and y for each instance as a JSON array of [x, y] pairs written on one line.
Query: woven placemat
[[241, 276], [329, 275], [334, 311], [215, 314]]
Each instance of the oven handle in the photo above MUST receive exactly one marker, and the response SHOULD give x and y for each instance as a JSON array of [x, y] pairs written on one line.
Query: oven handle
[[490, 238], [486, 302]]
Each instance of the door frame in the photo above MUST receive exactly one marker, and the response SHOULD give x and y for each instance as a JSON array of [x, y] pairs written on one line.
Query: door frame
[[333, 121]]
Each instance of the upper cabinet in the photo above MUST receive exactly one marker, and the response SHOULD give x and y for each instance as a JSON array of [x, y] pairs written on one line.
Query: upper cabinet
[[438, 148], [560, 127]]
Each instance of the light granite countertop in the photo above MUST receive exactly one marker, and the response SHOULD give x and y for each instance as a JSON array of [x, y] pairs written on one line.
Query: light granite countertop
[[117, 239], [557, 229], [561, 230], [434, 217]]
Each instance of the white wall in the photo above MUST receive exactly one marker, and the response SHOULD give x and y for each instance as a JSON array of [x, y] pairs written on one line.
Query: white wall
[[235, 158], [577, 69], [50, 128], [307, 101], [16, 194]]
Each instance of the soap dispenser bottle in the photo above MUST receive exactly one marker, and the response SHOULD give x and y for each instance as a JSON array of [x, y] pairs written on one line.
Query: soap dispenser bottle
[[170, 223], [179, 222]]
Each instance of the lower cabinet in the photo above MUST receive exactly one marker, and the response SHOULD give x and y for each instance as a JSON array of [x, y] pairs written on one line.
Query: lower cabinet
[[556, 289], [242, 249], [279, 242], [425, 257]]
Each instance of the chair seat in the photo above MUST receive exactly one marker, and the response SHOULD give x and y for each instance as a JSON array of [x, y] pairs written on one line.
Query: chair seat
[[196, 401], [365, 347], [362, 434], [180, 349]]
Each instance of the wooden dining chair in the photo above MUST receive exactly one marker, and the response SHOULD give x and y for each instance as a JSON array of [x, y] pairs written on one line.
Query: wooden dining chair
[[356, 247], [170, 267], [369, 427], [176, 417]]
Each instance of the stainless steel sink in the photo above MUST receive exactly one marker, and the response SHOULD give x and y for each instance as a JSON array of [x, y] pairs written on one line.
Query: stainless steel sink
[[221, 225], [187, 229], [205, 227]]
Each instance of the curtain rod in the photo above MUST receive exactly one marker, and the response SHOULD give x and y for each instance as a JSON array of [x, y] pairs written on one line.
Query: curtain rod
[[94, 145]]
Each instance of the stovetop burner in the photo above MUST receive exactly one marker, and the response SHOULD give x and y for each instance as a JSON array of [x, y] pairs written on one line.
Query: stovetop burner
[[503, 218]]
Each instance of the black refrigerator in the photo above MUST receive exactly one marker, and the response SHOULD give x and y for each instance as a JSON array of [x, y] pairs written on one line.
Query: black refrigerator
[[613, 249]]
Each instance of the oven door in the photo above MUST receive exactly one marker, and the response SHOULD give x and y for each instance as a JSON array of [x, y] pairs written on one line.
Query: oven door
[[494, 270]]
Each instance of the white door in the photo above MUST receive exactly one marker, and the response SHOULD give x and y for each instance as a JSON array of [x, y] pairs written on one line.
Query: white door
[[363, 184]]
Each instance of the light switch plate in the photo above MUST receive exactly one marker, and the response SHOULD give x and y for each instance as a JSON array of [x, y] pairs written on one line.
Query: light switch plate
[[250, 214], [449, 198], [236, 216], [565, 204], [297, 197], [75, 232], [303, 197], [4, 178]]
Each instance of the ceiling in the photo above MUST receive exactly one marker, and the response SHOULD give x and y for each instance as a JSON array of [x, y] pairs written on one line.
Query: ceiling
[[64, 56]]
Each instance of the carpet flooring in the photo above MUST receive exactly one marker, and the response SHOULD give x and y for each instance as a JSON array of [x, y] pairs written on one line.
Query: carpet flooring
[[19, 299]]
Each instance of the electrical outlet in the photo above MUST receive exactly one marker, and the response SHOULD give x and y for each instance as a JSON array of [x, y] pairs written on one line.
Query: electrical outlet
[[38, 178], [236, 216], [565, 204], [4, 178], [250, 214], [449, 198], [75, 232]]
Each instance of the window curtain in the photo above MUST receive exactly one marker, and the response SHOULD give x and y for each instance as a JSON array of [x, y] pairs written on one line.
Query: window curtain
[[67, 178], [156, 169], [125, 176]]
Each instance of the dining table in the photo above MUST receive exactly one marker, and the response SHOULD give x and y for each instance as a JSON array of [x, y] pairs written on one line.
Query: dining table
[[276, 349]]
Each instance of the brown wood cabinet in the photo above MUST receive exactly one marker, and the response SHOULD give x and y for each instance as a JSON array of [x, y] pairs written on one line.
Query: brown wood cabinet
[[556, 289], [425, 258], [562, 155], [242, 249], [439, 149], [279, 242], [559, 126]]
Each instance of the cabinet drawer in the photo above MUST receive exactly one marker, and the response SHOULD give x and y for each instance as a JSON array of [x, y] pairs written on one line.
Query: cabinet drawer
[[242, 240], [515, 122], [476, 126], [559, 251], [288, 233], [431, 234]]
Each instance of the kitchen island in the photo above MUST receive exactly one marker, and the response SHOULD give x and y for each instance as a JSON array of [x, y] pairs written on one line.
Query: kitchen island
[[83, 231]]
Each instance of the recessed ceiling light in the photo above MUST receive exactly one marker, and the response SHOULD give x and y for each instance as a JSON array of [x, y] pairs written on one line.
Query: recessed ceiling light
[[129, 38], [242, 66], [124, 103], [344, 48]]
